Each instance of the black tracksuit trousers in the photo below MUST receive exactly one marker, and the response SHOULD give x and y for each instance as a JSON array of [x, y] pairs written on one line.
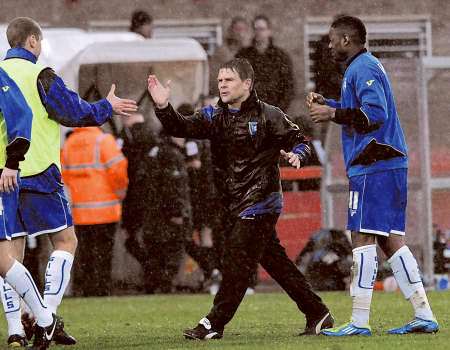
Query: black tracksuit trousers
[[251, 242]]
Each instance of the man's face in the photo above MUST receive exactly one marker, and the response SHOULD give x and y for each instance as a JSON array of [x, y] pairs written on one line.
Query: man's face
[[146, 30], [338, 45], [262, 30], [231, 87], [240, 31]]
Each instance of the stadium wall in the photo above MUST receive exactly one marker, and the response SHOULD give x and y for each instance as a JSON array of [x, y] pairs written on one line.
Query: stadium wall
[[288, 17]]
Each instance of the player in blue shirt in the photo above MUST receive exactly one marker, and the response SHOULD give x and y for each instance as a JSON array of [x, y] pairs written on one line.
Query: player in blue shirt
[[375, 155]]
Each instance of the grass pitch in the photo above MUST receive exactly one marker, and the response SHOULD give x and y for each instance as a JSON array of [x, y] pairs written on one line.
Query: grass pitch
[[264, 321]]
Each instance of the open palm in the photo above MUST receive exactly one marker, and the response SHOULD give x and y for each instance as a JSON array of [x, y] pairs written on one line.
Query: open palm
[[121, 106], [160, 94]]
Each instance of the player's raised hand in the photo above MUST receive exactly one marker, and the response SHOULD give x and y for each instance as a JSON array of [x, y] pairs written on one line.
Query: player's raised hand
[[160, 94], [292, 158], [119, 105], [314, 97], [8, 180]]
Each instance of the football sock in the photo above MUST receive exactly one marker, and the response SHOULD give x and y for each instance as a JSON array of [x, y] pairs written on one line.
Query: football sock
[[57, 277], [11, 306], [406, 273], [20, 279], [364, 272]]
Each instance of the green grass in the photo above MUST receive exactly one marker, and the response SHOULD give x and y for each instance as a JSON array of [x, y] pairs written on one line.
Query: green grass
[[264, 321]]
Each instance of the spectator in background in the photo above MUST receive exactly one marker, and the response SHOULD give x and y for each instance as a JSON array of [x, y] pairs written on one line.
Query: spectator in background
[[140, 145], [274, 80], [439, 247], [200, 178], [95, 171], [198, 164], [167, 222], [142, 23], [327, 77], [237, 36], [137, 142]]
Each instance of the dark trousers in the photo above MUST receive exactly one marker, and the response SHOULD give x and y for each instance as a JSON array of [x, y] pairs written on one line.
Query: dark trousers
[[92, 268], [253, 241], [222, 227], [164, 246]]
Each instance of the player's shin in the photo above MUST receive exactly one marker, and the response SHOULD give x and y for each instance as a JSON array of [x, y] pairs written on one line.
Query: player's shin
[[57, 277], [364, 272], [406, 273]]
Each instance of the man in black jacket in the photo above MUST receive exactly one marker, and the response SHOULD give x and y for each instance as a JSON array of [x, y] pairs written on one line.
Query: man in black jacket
[[137, 143], [247, 137], [273, 66], [168, 216]]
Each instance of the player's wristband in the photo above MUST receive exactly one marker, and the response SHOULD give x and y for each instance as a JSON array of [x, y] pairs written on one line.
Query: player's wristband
[[12, 163]]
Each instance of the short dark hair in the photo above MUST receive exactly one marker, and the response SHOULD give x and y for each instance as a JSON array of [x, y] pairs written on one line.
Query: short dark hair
[[242, 67], [20, 28], [355, 27], [262, 18], [139, 18]]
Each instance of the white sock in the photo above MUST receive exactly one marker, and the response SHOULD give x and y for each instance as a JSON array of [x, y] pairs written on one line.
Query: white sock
[[20, 279], [11, 305], [406, 273], [364, 272], [57, 277]]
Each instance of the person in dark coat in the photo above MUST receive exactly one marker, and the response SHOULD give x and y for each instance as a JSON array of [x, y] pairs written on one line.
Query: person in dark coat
[[247, 138], [137, 143], [167, 220], [274, 79]]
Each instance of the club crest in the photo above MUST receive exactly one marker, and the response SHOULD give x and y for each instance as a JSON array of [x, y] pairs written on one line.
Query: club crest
[[252, 128]]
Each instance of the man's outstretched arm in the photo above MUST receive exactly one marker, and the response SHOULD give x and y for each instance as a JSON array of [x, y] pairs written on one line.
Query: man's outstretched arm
[[196, 126], [69, 109]]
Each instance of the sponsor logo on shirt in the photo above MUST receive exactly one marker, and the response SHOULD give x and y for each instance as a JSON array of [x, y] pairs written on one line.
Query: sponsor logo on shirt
[[5, 88], [369, 82]]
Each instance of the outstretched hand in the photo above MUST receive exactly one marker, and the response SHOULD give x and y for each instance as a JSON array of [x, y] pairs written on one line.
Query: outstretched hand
[[292, 158], [119, 105], [160, 93]]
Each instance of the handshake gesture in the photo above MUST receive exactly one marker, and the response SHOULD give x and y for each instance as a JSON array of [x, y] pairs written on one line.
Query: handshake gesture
[[318, 110]]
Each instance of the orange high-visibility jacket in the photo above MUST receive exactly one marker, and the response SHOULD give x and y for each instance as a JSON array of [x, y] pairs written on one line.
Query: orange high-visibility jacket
[[95, 171]]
